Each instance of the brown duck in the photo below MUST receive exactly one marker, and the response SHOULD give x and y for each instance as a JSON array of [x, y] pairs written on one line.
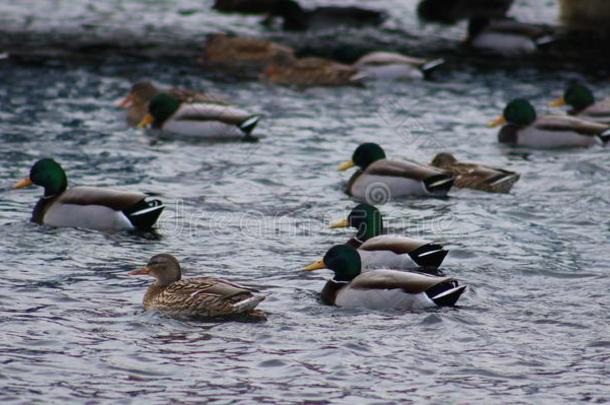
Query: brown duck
[[312, 72], [196, 297]]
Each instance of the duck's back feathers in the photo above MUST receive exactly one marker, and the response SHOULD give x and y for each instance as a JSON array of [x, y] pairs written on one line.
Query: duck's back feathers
[[478, 176], [566, 123], [235, 51], [420, 252], [433, 179], [313, 72]]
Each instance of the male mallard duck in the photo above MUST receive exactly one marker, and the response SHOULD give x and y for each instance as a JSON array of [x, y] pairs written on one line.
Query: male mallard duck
[[451, 11], [243, 52], [522, 128], [505, 36], [379, 179], [143, 91], [205, 121], [476, 176], [379, 251], [393, 66], [383, 289], [87, 207], [195, 297], [312, 72], [297, 19], [582, 101]]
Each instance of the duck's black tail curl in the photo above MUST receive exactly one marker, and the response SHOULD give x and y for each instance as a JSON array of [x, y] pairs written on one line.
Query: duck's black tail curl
[[144, 214], [445, 294]]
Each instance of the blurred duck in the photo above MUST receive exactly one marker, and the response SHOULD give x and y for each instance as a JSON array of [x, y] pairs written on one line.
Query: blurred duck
[[582, 102], [451, 11], [505, 36], [199, 120], [383, 289], [394, 66], [143, 91], [87, 207], [200, 297], [312, 72], [295, 18], [476, 176], [244, 6], [379, 251], [379, 180], [592, 15], [523, 128]]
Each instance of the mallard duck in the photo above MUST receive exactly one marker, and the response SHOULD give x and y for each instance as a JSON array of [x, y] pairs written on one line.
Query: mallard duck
[[393, 66], [582, 101], [379, 251], [87, 207], [244, 6], [476, 176], [522, 128], [451, 11], [243, 52], [143, 91], [378, 179], [592, 15], [295, 18], [312, 72], [506, 36], [383, 289], [196, 297], [205, 121]]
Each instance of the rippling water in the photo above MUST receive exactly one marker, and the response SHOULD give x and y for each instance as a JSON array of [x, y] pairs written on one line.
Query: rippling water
[[532, 327]]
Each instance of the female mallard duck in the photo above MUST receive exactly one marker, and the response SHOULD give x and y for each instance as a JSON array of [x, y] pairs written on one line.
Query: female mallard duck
[[379, 179], [295, 18], [383, 289], [505, 36], [196, 297], [522, 128], [379, 251], [205, 121], [143, 91], [395, 66], [312, 72], [87, 207], [582, 101], [476, 176]]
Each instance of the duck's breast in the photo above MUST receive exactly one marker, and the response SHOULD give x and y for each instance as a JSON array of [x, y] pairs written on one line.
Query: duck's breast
[[86, 216], [503, 43], [396, 299], [540, 138]]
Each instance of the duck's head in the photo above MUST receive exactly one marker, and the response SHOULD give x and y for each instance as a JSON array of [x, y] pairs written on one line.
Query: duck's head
[[364, 155], [576, 95], [443, 159], [343, 260], [164, 267], [519, 112], [288, 9], [141, 93], [161, 107], [46, 173], [365, 218]]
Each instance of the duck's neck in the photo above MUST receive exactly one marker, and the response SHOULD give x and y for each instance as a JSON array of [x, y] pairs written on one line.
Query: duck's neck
[[369, 229]]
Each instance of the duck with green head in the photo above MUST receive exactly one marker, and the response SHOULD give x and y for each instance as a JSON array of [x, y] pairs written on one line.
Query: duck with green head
[[583, 105], [199, 120], [383, 289], [380, 251], [522, 127], [87, 207], [379, 180]]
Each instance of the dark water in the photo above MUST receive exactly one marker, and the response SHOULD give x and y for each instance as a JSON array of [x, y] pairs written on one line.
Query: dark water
[[533, 327]]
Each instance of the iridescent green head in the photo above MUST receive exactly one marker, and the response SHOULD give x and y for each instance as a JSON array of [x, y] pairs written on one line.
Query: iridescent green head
[[46, 173], [162, 107], [578, 96], [367, 219], [344, 261], [520, 112]]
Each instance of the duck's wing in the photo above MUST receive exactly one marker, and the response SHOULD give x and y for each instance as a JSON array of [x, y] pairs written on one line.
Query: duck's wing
[[211, 112], [320, 71], [384, 58], [393, 243], [115, 199], [191, 96], [481, 173], [510, 26], [561, 123], [599, 110], [222, 48], [395, 168], [410, 282]]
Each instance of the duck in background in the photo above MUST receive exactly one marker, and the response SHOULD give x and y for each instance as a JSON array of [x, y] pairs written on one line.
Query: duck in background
[[142, 92], [588, 15], [380, 251], [475, 175], [312, 72], [451, 11], [522, 127], [383, 289], [395, 66], [244, 6], [87, 207], [199, 120], [379, 180], [583, 105], [200, 297]]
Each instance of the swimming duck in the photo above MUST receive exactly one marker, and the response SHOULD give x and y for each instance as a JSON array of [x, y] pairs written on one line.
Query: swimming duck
[[523, 128], [451, 11], [295, 18], [196, 297], [312, 72], [87, 207], [506, 36], [205, 121], [143, 91], [379, 251], [476, 176], [592, 15], [395, 66], [378, 179], [582, 101], [244, 6], [383, 289]]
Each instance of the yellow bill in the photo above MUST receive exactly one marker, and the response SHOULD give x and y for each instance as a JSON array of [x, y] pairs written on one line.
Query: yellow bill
[[558, 102], [317, 265], [343, 223], [497, 122], [346, 165], [23, 183], [146, 121]]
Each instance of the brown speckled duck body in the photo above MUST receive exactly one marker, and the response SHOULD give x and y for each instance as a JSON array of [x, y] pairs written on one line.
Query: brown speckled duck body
[[201, 297], [312, 72]]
